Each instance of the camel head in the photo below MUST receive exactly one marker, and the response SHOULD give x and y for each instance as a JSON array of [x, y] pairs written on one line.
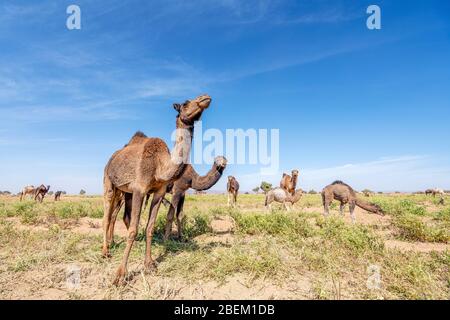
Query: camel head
[[48, 188], [294, 173], [377, 209], [230, 179], [191, 110], [220, 162]]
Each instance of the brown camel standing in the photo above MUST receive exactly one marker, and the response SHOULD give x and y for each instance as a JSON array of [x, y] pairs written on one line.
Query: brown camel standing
[[145, 165], [289, 183], [28, 190], [343, 193], [282, 196], [58, 195], [190, 179], [40, 193], [233, 189]]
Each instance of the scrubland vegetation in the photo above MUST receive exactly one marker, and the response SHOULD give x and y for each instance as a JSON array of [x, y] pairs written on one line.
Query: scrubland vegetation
[[292, 255]]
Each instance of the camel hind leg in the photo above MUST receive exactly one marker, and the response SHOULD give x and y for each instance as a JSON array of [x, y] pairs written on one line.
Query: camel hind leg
[[111, 198]]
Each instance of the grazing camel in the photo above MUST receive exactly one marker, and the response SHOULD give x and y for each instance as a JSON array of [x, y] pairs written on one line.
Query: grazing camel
[[343, 193], [434, 192], [40, 193], [289, 183], [233, 189], [58, 195], [282, 196], [145, 165], [28, 190]]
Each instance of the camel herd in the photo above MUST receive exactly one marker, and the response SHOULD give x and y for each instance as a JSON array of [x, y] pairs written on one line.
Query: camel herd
[[38, 193], [145, 166]]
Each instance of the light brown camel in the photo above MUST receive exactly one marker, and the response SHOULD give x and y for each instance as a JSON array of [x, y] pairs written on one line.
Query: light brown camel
[[343, 193], [233, 190], [282, 196], [58, 195], [40, 193], [289, 183], [145, 165], [28, 190]]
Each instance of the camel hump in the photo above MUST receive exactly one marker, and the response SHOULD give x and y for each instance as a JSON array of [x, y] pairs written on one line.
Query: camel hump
[[137, 137], [339, 182]]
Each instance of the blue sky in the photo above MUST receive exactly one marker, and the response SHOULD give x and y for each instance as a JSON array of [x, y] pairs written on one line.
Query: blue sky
[[369, 107]]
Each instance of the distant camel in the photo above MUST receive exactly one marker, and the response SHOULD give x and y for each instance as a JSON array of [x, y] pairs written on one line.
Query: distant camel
[[232, 189], [434, 192], [58, 195], [289, 183], [366, 193], [342, 192], [28, 190], [40, 192], [282, 196], [145, 165]]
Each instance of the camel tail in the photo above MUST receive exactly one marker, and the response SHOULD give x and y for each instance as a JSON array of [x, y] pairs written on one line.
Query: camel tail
[[366, 206]]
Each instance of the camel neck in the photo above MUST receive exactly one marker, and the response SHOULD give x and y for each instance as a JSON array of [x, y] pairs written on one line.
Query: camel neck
[[205, 182], [179, 156]]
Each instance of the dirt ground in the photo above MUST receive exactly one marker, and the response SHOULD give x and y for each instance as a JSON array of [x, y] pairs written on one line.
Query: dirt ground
[[50, 280]]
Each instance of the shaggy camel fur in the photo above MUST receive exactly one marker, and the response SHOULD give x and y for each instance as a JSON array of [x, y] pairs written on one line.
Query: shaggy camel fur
[[289, 183], [345, 194], [40, 193], [282, 196], [28, 190], [145, 165], [232, 189]]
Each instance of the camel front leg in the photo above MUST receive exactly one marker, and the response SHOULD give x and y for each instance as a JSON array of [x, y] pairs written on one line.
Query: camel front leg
[[154, 207], [229, 199], [171, 216], [179, 215], [138, 198], [352, 206], [341, 209], [286, 206], [326, 204]]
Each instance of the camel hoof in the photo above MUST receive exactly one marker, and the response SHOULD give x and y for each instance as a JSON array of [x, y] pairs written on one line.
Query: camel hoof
[[119, 280], [106, 254], [150, 267]]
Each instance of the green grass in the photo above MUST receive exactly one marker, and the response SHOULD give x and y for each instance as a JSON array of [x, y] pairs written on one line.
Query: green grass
[[276, 246]]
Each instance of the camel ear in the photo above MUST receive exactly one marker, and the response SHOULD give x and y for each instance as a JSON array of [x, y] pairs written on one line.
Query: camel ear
[[284, 175], [177, 106]]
